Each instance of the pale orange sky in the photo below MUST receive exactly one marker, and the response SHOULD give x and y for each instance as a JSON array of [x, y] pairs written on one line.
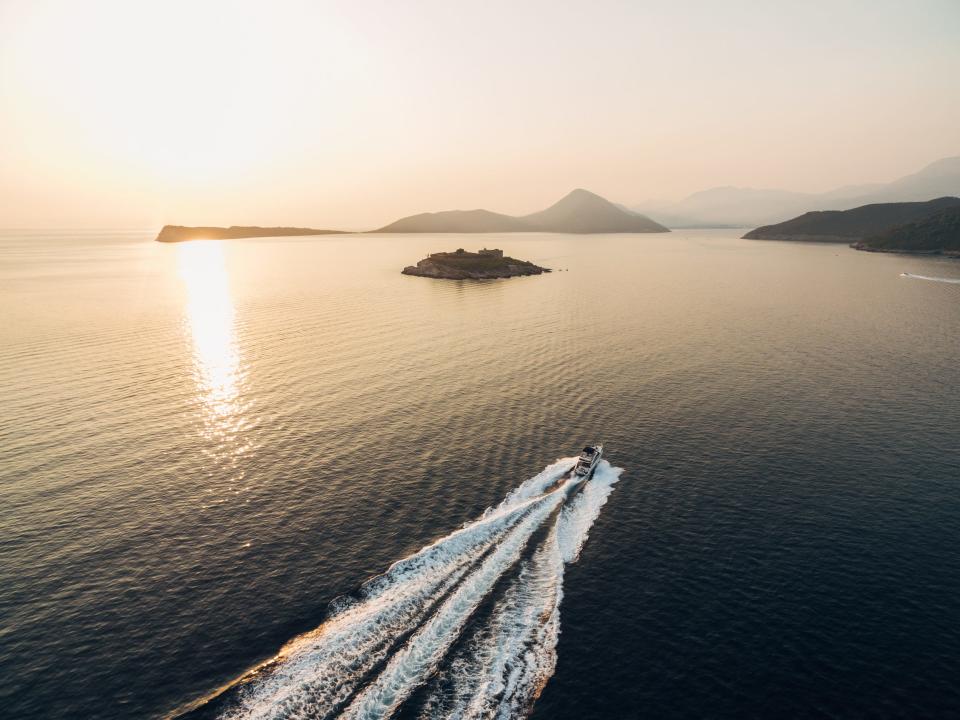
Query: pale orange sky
[[349, 114]]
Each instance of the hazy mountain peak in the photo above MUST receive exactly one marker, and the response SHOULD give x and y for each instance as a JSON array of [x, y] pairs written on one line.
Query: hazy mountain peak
[[943, 166], [581, 194], [740, 206], [579, 199], [579, 211]]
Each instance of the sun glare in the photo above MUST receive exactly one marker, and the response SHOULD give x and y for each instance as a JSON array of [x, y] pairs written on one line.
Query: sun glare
[[209, 317]]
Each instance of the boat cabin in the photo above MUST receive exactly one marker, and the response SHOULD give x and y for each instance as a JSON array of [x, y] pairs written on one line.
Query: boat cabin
[[587, 460]]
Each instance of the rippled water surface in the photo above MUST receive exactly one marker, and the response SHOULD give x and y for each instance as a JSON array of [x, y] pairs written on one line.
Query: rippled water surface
[[203, 445]]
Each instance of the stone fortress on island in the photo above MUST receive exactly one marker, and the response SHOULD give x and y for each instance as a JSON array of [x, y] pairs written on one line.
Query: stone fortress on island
[[481, 265]]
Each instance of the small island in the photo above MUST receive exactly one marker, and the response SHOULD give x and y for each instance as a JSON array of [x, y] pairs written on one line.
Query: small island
[[181, 233], [481, 265]]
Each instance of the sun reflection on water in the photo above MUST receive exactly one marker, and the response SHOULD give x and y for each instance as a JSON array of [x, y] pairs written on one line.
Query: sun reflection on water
[[210, 319]]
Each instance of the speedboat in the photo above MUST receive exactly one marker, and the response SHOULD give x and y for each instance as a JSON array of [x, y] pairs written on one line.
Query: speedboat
[[588, 461]]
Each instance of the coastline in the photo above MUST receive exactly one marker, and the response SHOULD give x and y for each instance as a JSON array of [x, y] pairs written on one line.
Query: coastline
[[952, 254]]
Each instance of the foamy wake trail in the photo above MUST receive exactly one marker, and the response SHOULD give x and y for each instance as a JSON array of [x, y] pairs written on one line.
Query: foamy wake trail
[[536, 485], [501, 669], [953, 281], [376, 649]]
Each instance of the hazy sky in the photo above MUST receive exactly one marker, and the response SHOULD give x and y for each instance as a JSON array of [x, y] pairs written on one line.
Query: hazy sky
[[350, 113]]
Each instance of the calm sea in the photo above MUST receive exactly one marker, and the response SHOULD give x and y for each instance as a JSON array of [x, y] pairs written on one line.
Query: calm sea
[[203, 445]]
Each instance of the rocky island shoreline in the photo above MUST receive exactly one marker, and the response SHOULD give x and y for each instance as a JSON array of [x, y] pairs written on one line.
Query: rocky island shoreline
[[482, 265], [182, 233]]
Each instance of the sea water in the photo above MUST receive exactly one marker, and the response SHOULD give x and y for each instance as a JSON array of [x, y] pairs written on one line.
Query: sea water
[[220, 454]]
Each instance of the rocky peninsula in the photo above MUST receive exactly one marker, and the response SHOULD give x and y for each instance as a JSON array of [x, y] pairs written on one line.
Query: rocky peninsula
[[851, 226], [934, 235], [481, 265], [181, 233]]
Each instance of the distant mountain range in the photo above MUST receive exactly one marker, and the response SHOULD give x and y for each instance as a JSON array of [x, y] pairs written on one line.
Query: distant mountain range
[[851, 225], [580, 211], [585, 212], [748, 207]]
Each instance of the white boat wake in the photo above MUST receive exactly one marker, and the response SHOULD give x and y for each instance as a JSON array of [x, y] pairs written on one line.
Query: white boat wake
[[953, 281], [466, 627]]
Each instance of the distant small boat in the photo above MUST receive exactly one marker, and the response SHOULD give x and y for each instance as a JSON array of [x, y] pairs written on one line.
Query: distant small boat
[[588, 461]]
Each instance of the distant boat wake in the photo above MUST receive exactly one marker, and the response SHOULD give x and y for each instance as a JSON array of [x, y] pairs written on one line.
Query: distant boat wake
[[953, 281], [467, 627]]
